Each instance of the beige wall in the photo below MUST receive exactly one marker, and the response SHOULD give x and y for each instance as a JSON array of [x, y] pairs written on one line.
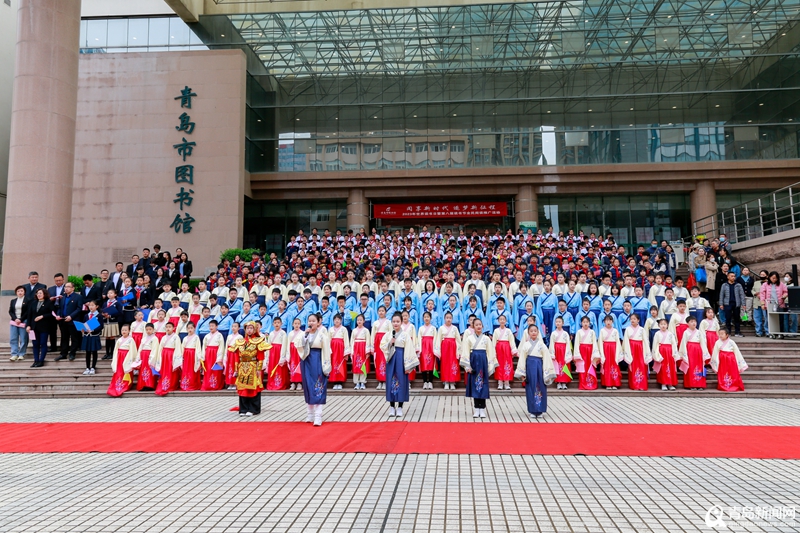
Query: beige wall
[[8, 39], [773, 252], [124, 183]]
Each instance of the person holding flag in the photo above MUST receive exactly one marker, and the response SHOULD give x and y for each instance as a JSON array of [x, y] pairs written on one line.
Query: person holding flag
[[535, 368], [361, 341], [124, 360], [561, 350]]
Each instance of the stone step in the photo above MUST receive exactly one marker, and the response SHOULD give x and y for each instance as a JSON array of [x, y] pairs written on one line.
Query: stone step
[[651, 392]]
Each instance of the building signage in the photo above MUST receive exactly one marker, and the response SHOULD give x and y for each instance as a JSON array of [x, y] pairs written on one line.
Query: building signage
[[440, 210], [184, 174]]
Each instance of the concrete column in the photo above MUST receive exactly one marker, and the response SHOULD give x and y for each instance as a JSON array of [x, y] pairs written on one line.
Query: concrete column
[[357, 210], [41, 159], [703, 201], [526, 207]]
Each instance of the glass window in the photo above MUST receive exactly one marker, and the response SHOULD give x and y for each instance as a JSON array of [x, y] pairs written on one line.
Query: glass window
[[178, 32], [158, 32], [421, 147], [332, 149], [137, 32], [97, 33], [118, 32]]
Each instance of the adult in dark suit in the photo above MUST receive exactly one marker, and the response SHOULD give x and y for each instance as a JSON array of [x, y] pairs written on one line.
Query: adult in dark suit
[[18, 311], [184, 268], [144, 261], [173, 275], [105, 283], [91, 290], [56, 293], [131, 269], [69, 310], [40, 316], [33, 285], [116, 276]]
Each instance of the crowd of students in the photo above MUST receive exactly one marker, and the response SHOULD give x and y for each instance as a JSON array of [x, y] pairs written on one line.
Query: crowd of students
[[418, 306]]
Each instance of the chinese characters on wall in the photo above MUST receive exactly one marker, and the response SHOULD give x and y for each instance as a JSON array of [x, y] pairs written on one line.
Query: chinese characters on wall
[[440, 210], [184, 174]]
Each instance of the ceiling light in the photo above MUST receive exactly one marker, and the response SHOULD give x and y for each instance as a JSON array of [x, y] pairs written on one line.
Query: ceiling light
[[631, 109], [626, 42], [716, 105], [297, 119], [455, 115], [259, 120], [761, 104], [548, 111], [590, 111], [749, 121], [674, 107], [222, 35], [415, 116]]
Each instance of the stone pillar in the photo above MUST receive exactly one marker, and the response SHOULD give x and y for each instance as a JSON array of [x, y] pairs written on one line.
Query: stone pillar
[[526, 207], [41, 158], [357, 210], [703, 201]]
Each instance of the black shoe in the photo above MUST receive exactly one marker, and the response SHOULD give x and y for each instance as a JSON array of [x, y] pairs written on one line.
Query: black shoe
[[107, 357], [61, 358], [35, 365], [71, 357]]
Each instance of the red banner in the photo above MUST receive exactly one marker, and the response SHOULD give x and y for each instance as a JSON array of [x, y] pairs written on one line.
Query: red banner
[[440, 210]]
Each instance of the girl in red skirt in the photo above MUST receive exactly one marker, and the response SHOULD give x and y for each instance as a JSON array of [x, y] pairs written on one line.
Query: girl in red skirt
[[505, 348], [611, 353], [168, 360], [160, 324], [561, 350], [426, 346], [361, 341], [694, 350], [125, 359], [380, 327], [665, 353], [192, 360], [138, 328], [677, 323], [148, 350], [213, 349], [728, 363], [586, 349], [231, 356], [636, 350], [709, 327], [448, 345], [340, 350], [284, 348]]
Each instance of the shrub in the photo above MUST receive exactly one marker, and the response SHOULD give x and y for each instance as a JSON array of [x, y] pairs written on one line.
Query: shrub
[[230, 253], [77, 281]]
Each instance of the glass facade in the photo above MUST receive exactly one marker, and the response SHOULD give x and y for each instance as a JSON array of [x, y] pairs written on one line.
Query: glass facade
[[634, 219], [519, 84], [137, 34], [268, 225]]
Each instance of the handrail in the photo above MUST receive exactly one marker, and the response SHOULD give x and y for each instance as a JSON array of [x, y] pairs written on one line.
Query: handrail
[[772, 213]]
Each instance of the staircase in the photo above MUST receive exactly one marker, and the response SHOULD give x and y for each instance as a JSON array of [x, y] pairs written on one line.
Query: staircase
[[774, 372]]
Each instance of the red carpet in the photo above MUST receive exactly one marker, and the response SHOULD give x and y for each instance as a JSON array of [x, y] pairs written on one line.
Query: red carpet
[[756, 442]]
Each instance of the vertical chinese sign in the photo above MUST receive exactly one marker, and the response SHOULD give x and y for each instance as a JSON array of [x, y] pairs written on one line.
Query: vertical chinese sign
[[184, 174]]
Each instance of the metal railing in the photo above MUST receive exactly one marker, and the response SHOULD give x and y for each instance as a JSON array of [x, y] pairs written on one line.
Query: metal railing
[[773, 213]]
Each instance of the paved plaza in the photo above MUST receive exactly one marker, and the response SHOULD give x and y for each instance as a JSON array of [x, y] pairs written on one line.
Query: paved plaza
[[285, 492]]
